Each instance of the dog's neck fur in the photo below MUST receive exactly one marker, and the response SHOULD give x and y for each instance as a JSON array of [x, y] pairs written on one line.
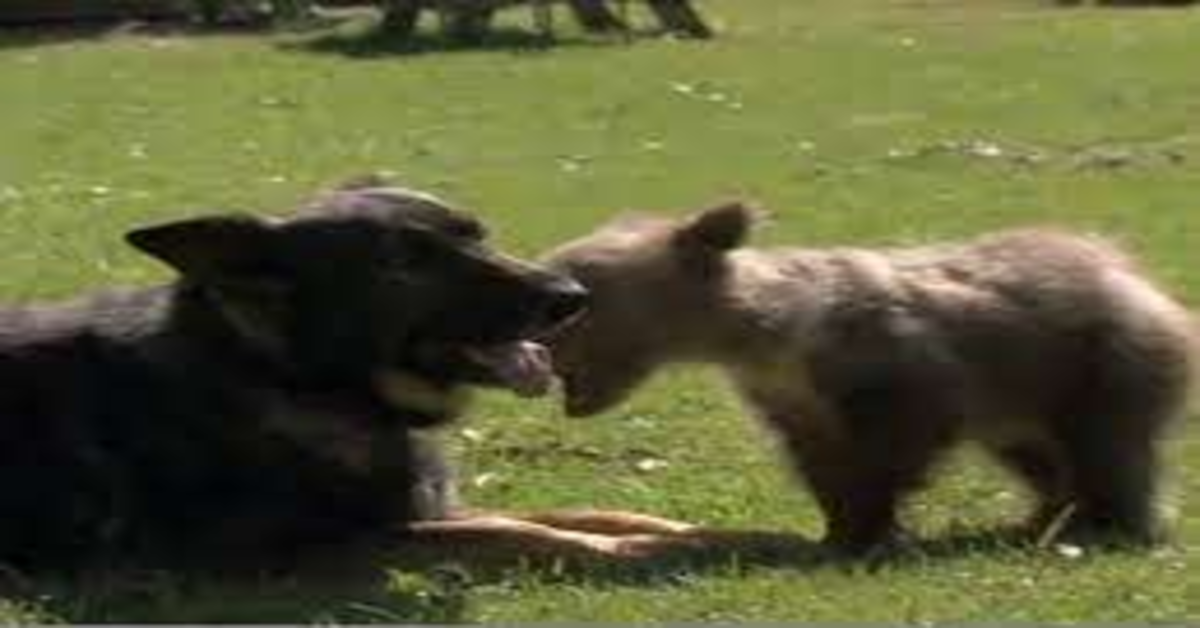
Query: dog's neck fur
[[190, 325], [168, 333], [202, 314]]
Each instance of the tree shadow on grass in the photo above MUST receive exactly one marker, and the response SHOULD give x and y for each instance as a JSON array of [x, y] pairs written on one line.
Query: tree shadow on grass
[[34, 36], [323, 34], [404, 583], [65, 32], [373, 43]]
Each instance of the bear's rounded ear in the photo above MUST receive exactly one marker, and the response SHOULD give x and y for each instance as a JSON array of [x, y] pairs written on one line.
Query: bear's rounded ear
[[206, 246], [718, 229]]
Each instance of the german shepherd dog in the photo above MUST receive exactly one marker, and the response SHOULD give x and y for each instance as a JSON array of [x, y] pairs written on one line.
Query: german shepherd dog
[[272, 399]]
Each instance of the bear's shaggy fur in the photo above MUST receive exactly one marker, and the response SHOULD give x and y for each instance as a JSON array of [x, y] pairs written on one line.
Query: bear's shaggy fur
[[1052, 350]]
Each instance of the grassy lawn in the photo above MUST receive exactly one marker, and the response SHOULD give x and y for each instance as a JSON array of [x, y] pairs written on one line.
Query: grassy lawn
[[857, 121]]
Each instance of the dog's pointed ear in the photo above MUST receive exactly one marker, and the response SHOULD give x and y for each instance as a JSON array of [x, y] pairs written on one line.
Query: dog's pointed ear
[[364, 181], [207, 246], [717, 229]]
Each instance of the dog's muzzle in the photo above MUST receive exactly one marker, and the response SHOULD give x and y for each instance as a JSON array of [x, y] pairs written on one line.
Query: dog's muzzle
[[522, 364], [564, 299]]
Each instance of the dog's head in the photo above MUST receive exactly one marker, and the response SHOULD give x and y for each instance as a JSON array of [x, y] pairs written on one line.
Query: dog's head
[[381, 293], [653, 282]]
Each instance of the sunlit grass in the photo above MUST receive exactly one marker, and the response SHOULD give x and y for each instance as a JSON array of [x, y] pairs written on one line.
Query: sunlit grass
[[855, 121]]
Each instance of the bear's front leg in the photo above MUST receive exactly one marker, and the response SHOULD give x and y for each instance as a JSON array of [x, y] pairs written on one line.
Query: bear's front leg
[[872, 448]]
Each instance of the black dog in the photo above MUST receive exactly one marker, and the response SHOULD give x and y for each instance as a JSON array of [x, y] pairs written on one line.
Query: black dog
[[266, 401]]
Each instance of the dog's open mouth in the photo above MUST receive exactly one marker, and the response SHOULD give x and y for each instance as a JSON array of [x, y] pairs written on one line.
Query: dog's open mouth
[[523, 366], [438, 389]]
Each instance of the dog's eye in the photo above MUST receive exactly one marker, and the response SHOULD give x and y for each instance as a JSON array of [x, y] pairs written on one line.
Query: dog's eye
[[467, 229], [409, 255]]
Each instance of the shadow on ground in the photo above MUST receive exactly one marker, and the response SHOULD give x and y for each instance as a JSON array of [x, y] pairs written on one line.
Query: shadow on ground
[[34, 36], [406, 584], [322, 36], [57, 33], [373, 43]]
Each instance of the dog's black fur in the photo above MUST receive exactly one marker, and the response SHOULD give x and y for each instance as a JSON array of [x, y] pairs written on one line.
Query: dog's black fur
[[250, 409]]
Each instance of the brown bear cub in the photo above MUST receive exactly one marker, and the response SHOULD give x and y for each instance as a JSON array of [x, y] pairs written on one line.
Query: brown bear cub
[[1051, 350]]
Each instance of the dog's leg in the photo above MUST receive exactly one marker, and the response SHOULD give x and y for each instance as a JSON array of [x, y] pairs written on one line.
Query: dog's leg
[[499, 537], [488, 541], [640, 539], [608, 522]]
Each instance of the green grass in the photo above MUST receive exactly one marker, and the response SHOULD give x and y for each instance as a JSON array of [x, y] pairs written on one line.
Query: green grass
[[856, 121]]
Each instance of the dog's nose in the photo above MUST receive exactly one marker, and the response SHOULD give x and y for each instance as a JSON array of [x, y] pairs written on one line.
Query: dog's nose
[[565, 298]]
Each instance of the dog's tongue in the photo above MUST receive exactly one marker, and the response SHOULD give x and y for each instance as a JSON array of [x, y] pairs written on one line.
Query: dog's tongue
[[524, 367]]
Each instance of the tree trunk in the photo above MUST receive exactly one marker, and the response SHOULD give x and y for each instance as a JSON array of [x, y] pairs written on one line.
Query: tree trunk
[[400, 17], [467, 21], [680, 17], [596, 17], [291, 10], [209, 11]]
